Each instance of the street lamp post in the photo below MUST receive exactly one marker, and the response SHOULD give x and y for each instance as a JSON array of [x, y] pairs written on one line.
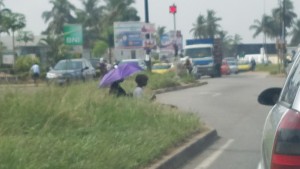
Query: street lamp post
[[148, 50], [283, 35], [146, 12]]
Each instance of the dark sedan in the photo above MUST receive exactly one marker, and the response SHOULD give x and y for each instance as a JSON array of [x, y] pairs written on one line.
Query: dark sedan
[[69, 70]]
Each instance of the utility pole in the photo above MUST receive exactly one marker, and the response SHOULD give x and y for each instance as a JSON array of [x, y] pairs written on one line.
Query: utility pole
[[283, 35], [146, 12], [148, 49]]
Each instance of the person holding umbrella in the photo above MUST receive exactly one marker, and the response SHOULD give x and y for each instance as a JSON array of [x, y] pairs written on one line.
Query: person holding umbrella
[[115, 76], [116, 90]]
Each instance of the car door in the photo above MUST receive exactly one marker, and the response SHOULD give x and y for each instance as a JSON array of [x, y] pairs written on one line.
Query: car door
[[289, 100], [89, 70]]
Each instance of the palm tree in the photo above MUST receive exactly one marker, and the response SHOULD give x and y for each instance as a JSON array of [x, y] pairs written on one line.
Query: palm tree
[[4, 17], [16, 21], [206, 27], [90, 17], [284, 14], [199, 28], [266, 26], [25, 36], [296, 34], [212, 27], [116, 10], [54, 44], [60, 14], [159, 33]]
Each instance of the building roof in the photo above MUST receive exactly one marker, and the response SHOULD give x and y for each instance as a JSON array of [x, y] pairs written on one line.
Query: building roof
[[7, 41]]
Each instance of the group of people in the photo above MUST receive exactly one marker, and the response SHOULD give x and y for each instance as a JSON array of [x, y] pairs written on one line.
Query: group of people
[[141, 82]]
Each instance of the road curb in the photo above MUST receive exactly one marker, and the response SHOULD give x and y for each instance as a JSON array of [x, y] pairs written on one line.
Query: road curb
[[186, 152], [170, 89]]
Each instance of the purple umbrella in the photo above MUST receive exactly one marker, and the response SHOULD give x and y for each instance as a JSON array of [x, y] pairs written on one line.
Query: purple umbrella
[[121, 72]]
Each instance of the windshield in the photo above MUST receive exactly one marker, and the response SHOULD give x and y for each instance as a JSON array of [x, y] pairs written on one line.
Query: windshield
[[68, 65], [161, 66], [231, 62], [198, 52]]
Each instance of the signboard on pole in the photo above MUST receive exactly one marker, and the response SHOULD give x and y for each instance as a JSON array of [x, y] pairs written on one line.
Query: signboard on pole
[[8, 59], [73, 34], [132, 35], [168, 40]]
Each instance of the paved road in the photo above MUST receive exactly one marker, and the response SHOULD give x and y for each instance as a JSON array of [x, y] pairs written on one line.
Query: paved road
[[228, 104]]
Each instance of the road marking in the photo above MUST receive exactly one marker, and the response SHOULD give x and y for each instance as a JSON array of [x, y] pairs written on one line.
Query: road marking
[[208, 161]]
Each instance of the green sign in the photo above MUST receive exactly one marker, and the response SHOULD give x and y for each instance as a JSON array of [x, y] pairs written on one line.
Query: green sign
[[73, 34]]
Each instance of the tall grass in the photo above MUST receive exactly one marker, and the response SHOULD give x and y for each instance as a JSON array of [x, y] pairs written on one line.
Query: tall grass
[[270, 68], [81, 127]]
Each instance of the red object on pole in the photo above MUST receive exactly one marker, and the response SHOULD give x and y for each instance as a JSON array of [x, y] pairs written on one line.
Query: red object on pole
[[173, 9]]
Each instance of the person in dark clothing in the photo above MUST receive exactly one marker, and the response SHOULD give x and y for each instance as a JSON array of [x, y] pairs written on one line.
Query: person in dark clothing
[[253, 64], [116, 89]]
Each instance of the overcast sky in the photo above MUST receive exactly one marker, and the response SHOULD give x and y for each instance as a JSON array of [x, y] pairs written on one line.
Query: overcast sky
[[237, 15]]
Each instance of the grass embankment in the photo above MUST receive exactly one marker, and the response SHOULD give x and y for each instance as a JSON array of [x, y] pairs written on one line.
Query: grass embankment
[[271, 68], [81, 127]]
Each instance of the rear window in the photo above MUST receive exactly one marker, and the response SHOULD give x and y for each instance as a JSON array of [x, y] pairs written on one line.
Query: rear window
[[68, 65]]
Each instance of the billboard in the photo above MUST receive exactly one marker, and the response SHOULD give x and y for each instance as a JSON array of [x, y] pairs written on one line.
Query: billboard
[[133, 35], [168, 40], [8, 59], [73, 34]]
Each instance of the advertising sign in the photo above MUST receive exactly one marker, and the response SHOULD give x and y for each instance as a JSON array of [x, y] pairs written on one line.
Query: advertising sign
[[168, 40], [8, 59], [73, 34], [132, 35]]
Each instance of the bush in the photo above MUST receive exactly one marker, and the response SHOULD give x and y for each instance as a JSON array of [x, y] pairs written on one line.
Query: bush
[[24, 63]]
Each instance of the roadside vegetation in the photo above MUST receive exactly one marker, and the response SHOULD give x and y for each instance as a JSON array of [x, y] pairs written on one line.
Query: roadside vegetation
[[81, 126], [273, 69]]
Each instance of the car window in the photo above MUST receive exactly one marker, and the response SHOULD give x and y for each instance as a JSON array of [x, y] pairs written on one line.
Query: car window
[[84, 64], [76, 65], [292, 85], [161, 66]]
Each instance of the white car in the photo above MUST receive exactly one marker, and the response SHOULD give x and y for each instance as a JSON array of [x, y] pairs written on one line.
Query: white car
[[280, 147], [140, 62], [233, 65]]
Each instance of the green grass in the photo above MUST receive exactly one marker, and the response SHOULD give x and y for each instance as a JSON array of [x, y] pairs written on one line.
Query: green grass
[[81, 127], [271, 68]]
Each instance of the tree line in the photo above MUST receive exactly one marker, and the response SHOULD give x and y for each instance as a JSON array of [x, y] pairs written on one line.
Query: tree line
[[97, 18]]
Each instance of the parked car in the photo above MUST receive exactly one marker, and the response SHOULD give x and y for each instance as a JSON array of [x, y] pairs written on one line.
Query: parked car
[[96, 65], [225, 69], [244, 65], [140, 62], [162, 68], [281, 134], [69, 70], [233, 64]]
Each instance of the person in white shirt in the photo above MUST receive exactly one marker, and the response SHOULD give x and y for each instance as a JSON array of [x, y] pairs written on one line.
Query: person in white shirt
[[35, 72], [141, 81]]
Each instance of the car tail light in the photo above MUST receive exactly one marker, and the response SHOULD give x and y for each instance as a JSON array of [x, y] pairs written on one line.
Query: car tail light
[[286, 150]]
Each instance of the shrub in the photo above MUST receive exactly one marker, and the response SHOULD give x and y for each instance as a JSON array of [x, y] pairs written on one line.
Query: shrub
[[24, 63]]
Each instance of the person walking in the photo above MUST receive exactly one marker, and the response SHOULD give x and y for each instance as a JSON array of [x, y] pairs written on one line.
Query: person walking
[[35, 73], [253, 64]]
